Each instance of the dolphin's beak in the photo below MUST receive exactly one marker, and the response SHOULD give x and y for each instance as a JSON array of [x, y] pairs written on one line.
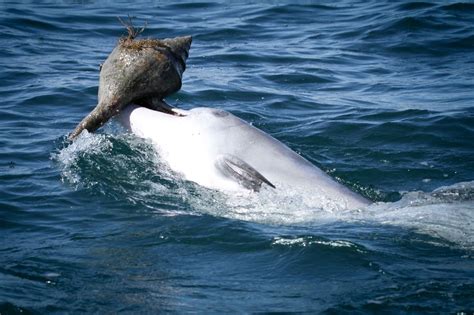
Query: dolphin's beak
[[137, 71]]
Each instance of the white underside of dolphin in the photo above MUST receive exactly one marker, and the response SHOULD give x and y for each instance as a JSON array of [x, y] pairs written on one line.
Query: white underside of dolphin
[[218, 150]]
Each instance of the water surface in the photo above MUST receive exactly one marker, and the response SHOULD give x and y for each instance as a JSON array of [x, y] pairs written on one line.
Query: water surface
[[378, 94]]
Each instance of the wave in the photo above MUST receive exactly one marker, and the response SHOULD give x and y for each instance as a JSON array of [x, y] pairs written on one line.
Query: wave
[[126, 168], [463, 7], [415, 6]]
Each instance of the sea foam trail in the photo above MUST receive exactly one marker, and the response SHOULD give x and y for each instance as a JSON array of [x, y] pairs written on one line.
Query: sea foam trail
[[134, 171], [447, 212]]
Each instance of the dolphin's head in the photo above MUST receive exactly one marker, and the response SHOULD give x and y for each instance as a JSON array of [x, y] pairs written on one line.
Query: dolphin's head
[[135, 71]]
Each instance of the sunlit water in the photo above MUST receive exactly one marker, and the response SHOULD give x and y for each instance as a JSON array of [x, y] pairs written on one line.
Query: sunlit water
[[378, 95]]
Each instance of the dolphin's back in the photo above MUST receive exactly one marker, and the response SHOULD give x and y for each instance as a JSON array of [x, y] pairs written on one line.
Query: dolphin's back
[[195, 143]]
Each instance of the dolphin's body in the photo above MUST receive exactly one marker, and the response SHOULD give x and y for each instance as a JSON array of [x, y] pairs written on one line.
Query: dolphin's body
[[220, 151], [210, 147]]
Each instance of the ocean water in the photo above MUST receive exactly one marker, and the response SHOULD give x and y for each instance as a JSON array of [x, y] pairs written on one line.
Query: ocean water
[[378, 94]]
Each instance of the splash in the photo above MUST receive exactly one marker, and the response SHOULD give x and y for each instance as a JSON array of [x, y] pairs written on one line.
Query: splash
[[68, 157], [446, 213], [127, 168], [306, 241]]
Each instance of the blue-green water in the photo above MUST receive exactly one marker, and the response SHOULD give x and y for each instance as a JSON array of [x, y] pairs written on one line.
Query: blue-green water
[[378, 94]]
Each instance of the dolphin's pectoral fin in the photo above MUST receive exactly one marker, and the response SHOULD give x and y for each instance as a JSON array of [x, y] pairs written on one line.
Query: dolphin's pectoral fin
[[233, 167]]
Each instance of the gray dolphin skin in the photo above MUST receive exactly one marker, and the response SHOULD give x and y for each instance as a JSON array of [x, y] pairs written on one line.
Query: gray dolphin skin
[[137, 71]]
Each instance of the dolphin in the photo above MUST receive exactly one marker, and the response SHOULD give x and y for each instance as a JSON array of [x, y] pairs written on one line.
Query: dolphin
[[142, 71], [208, 146], [218, 150]]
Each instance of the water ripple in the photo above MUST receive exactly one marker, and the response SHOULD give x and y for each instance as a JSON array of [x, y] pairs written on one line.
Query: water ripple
[[377, 94]]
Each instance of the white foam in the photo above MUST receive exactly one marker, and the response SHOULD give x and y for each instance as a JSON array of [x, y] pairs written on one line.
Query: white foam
[[447, 212], [309, 240], [86, 143]]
